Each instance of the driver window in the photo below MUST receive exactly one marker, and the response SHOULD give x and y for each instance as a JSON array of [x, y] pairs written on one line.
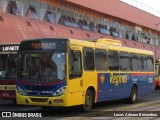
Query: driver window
[[75, 64], [12, 63], [3, 59]]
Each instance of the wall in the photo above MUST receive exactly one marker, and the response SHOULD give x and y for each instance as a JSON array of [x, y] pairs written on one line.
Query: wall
[[121, 10]]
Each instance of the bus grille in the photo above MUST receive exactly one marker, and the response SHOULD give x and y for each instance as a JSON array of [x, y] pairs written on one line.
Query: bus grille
[[39, 99], [39, 88]]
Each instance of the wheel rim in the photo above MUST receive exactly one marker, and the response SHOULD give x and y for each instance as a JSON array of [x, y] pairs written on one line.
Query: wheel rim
[[88, 101], [134, 95]]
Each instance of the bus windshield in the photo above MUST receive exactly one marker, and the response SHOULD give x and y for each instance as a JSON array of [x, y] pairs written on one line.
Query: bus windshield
[[42, 67], [8, 66]]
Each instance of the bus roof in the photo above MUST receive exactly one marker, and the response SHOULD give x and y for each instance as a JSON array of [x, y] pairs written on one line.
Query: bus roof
[[108, 41], [104, 44]]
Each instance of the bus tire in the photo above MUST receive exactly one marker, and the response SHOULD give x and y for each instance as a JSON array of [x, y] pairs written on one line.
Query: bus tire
[[88, 101], [133, 96]]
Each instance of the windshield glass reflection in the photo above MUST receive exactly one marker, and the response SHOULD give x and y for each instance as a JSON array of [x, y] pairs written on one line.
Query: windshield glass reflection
[[42, 67], [8, 63]]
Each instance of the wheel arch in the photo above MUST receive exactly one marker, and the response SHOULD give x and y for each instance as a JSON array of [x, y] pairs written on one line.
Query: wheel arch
[[93, 90], [135, 85]]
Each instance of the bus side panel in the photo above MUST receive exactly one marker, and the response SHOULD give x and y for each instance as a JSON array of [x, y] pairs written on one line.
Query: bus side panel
[[119, 86], [144, 82], [103, 86], [150, 83], [75, 94], [114, 86], [90, 80], [137, 79]]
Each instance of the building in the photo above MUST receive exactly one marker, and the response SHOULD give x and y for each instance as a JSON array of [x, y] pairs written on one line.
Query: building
[[82, 19]]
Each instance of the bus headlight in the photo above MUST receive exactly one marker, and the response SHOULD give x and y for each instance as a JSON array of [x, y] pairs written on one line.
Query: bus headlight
[[60, 91], [20, 91]]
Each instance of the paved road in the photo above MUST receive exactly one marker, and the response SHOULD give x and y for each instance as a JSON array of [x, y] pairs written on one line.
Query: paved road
[[152, 102], [151, 112]]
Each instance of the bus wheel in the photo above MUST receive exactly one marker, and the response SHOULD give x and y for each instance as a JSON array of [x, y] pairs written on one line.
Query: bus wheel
[[46, 108], [88, 101], [133, 96]]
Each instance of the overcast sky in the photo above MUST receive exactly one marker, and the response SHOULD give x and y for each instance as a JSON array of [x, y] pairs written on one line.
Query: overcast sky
[[155, 4]]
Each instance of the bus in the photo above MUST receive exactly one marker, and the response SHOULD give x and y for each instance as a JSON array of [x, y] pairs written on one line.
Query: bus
[[157, 73], [8, 63], [68, 72]]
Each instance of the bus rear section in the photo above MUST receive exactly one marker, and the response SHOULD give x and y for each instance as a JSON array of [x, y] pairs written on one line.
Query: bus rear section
[[157, 73], [8, 63]]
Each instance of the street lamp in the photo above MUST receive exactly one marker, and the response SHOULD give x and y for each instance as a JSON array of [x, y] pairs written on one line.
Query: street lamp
[[157, 37]]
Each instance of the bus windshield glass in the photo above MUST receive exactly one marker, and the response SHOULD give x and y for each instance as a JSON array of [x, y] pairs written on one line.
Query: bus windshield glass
[[8, 66], [42, 67]]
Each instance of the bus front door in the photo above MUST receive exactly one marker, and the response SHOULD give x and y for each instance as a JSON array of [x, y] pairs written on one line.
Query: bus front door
[[75, 82]]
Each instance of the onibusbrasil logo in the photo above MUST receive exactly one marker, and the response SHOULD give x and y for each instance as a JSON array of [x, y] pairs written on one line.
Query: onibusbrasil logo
[[18, 114]]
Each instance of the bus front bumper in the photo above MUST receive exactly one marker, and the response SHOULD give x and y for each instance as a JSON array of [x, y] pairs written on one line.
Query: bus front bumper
[[7, 94], [65, 100], [40, 101]]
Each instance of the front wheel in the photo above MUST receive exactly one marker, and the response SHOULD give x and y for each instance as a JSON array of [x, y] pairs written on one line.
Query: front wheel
[[133, 97], [88, 101]]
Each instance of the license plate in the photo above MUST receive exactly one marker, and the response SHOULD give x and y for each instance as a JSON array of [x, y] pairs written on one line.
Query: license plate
[[5, 94]]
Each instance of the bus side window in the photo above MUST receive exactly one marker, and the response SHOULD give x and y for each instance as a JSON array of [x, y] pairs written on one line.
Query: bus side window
[[113, 60], [88, 54], [150, 64], [12, 63], [101, 59], [134, 62], [75, 64], [124, 61], [142, 62]]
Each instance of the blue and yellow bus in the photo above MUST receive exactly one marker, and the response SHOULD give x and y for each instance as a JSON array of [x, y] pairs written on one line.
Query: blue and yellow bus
[[68, 72]]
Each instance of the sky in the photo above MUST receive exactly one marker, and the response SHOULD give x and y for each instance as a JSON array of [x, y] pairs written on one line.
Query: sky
[[155, 4], [151, 6]]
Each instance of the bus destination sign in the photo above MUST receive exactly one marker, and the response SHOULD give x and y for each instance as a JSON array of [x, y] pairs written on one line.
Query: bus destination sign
[[7, 48]]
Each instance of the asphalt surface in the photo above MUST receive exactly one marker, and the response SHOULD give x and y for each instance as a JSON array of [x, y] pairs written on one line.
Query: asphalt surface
[[99, 109]]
